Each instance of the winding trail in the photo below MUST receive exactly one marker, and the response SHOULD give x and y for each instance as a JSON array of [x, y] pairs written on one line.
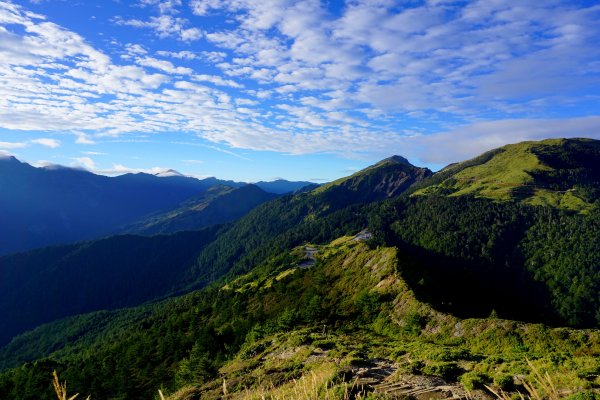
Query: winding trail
[[309, 258]]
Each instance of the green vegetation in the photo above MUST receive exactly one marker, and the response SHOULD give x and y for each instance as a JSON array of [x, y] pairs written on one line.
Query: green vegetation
[[521, 262], [260, 334], [129, 270], [561, 173], [119, 271], [289, 302], [387, 178]]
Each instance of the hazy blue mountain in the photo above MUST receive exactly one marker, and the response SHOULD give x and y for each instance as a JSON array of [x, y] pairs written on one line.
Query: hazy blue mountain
[[219, 204], [52, 205], [281, 186]]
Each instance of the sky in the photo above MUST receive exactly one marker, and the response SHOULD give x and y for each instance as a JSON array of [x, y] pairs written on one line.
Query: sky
[[303, 90]]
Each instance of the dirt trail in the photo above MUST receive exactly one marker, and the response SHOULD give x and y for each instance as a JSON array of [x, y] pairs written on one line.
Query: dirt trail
[[377, 375], [309, 258]]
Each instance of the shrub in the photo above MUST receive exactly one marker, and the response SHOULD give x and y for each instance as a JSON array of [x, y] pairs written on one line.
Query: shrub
[[474, 380], [445, 370], [504, 382]]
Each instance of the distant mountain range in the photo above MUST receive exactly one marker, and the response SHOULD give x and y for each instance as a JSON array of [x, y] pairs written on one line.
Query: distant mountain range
[[53, 205], [218, 205], [281, 186]]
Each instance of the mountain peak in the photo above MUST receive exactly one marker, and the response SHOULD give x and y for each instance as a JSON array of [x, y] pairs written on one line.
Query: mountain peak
[[395, 159], [387, 178], [168, 173], [8, 158]]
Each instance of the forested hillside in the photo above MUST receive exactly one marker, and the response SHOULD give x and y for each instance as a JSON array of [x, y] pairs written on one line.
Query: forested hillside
[[274, 328], [43, 285], [391, 268], [128, 270]]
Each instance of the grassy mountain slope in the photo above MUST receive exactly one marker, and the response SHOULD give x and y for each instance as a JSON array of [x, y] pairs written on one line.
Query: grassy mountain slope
[[218, 205], [319, 324], [561, 173], [424, 297], [387, 178], [319, 215], [46, 284]]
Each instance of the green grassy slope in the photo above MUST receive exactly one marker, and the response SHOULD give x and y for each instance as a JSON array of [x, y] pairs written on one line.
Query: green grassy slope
[[319, 215], [561, 173], [265, 332], [431, 295]]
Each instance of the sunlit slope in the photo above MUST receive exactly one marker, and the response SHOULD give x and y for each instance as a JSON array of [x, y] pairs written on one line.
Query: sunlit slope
[[388, 178], [292, 323], [561, 173]]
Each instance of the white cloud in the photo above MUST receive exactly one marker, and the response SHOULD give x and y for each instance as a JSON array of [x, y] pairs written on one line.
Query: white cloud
[[202, 7], [164, 26], [216, 80], [163, 65], [164, 6], [82, 138], [182, 55], [120, 169], [13, 145], [292, 77], [471, 140], [85, 162], [52, 143]]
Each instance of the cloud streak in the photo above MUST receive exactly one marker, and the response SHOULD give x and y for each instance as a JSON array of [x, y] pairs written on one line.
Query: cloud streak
[[51, 143]]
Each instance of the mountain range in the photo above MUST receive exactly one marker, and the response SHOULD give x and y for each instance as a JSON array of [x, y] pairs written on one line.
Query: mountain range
[[394, 281], [54, 205]]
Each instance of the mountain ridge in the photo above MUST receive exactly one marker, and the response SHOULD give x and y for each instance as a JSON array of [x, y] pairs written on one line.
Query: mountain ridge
[[560, 173], [216, 256], [80, 205], [218, 205]]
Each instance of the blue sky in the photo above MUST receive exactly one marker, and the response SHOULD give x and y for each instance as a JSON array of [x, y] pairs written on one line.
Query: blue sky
[[311, 90]]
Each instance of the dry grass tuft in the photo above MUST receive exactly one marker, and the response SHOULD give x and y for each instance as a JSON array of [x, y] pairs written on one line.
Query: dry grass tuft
[[61, 388], [540, 388]]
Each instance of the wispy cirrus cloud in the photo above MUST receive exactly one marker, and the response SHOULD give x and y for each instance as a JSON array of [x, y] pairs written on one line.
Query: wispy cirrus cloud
[[290, 76], [46, 142], [52, 143]]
